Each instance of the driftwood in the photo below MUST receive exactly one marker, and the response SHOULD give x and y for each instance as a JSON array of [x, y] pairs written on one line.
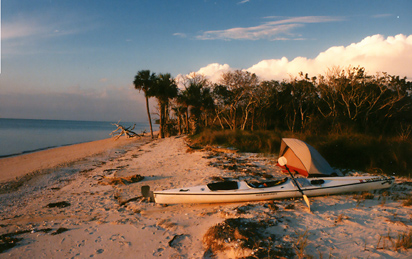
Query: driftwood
[[128, 132]]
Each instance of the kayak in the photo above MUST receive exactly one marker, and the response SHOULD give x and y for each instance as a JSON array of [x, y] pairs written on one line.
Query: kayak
[[243, 191]]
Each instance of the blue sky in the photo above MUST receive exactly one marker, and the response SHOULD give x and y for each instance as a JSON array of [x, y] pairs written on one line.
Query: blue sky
[[76, 59]]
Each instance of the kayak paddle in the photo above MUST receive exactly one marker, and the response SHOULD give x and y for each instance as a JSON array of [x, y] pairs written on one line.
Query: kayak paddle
[[282, 162]]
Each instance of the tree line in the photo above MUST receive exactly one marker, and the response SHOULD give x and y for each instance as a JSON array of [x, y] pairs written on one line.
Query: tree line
[[342, 100]]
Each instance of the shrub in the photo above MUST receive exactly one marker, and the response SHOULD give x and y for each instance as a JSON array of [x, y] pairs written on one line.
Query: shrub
[[374, 154]]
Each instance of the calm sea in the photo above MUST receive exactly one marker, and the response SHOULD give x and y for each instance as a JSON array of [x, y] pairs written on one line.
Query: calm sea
[[20, 136]]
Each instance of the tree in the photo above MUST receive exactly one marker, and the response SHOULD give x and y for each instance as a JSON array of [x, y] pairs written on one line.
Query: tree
[[268, 105], [390, 102], [303, 101], [196, 99], [163, 89], [236, 92], [143, 81]]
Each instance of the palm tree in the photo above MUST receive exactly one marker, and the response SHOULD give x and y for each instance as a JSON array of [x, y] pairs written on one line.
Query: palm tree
[[163, 90], [143, 81]]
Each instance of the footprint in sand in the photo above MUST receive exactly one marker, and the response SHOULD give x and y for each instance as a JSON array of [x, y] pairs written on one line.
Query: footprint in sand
[[158, 252]]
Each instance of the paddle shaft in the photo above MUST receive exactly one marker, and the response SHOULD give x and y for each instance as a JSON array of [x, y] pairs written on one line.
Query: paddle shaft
[[294, 180], [300, 190]]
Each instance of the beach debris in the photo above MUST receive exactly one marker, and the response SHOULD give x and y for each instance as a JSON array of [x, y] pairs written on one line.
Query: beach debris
[[7, 242], [177, 240], [272, 206], [242, 167], [167, 225], [290, 206], [192, 148], [59, 231], [86, 171], [220, 178], [214, 150], [245, 236], [113, 180], [128, 132], [124, 202], [60, 204], [244, 209]]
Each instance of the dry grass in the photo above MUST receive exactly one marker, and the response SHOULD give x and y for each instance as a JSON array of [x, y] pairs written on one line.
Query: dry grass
[[301, 244], [407, 201], [361, 197], [290, 206], [340, 218], [364, 196], [402, 241], [384, 196]]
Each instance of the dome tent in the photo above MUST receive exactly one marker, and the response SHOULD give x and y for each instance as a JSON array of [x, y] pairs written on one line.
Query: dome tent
[[304, 159]]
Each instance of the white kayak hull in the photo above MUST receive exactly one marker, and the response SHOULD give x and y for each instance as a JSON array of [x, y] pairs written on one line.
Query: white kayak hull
[[243, 191]]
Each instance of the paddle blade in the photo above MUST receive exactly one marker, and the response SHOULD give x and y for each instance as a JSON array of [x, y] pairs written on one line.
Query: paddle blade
[[306, 200]]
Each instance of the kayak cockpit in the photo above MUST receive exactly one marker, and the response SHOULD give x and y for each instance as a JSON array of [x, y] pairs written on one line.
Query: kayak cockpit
[[265, 184], [234, 185], [226, 185]]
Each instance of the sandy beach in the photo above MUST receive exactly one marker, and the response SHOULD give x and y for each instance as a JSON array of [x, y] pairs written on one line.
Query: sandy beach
[[85, 201]]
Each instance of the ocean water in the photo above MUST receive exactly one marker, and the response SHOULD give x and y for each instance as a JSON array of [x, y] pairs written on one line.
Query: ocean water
[[20, 136]]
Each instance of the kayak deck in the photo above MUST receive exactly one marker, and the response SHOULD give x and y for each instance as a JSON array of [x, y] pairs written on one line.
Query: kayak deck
[[240, 191]]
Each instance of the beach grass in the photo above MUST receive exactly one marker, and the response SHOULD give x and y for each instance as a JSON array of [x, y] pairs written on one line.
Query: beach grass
[[403, 240], [354, 151]]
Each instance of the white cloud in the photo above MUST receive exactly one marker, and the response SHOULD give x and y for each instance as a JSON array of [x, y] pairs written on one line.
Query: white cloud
[[27, 34], [214, 71], [180, 34], [375, 53], [36, 27], [20, 29], [272, 30]]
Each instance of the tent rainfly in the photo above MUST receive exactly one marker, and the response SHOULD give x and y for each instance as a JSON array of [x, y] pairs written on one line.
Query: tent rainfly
[[304, 158]]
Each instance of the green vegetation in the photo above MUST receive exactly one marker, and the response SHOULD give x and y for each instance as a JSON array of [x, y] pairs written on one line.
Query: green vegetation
[[356, 121], [389, 155], [163, 88]]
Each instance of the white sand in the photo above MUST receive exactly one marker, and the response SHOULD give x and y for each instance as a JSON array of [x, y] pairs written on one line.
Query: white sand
[[337, 227]]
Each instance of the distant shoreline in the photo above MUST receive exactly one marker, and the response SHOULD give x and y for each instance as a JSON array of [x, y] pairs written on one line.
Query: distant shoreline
[[25, 136], [15, 167], [40, 149]]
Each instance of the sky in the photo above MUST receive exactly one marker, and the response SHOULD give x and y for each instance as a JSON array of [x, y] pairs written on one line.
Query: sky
[[76, 59]]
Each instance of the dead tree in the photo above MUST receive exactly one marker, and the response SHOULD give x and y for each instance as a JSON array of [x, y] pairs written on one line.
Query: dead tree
[[121, 130]]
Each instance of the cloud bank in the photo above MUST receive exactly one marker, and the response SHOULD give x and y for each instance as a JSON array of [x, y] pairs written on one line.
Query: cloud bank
[[271, 30], [375, 53]]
